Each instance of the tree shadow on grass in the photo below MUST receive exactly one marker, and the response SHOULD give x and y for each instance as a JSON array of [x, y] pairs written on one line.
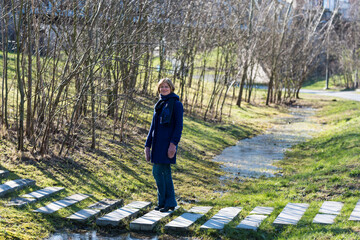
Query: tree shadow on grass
[[68, 172]]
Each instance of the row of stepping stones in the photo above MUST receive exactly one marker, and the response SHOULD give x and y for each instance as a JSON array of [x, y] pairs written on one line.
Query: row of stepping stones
[[290, 215]]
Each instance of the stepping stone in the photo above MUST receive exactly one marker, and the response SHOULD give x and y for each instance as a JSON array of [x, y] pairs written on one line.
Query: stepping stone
[[14, 185], [149, 220], [291, 214], [251, 222], [4, 173], [355, 215], [254, 221], [66, 202], [324, 218], [20, 202], [328, 212], [33, 196], [184, 221], [45, 192], [330, 207], [262, 210], [114, 218], [223, 217], [200, 209], [94, 210]]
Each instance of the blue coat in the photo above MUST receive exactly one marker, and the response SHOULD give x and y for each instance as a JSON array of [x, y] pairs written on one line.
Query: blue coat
[[161, 135]]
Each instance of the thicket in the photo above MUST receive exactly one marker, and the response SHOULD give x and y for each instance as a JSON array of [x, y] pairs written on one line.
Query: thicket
[[73, 69]]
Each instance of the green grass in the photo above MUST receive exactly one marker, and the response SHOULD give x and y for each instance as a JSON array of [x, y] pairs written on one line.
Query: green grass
[[336, 82], [118, 170], [324, 168]]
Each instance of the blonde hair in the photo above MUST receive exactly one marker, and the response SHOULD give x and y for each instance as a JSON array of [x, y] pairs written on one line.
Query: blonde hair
[[168, 81]]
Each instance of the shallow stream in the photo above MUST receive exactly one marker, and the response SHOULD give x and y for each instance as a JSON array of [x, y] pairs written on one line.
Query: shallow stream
[[93, 235], [254, 157]]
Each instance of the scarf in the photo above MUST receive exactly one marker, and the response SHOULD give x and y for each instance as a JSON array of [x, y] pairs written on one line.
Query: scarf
[[165, 107]]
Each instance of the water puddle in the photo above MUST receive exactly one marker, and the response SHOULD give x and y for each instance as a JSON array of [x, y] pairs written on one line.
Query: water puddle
[[254, 157]]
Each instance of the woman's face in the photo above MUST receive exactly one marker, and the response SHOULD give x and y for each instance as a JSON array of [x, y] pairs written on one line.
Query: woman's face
[[164, 89]]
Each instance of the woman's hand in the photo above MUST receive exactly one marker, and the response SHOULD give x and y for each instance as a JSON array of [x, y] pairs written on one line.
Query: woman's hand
[[171, 150], [147, 154]]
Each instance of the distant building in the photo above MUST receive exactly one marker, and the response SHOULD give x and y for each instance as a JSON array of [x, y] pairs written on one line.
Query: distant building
[[307, 4], [344, 6]]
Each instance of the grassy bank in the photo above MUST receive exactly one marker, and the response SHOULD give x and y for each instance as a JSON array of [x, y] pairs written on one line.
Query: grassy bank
[[325, 168], [120, 171]]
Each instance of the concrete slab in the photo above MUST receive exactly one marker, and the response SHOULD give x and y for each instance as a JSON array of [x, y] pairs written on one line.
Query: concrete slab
[[149, 220], [4, 173], [66, 202], [45, 192], [12, 186], [252, 222], [106, 204], [324, 218], [94, 210], [228, 213], [262, 210], [223, 217], [138, 204], [291, 214], [216, 223], [20, 202], [331, 207], [355, 215], [84, 214], [200, 209], [130, 210], [184, 221]]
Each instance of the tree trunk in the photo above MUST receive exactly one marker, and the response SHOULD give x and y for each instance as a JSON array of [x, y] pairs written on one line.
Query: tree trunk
[[242, 83], [5, 90], [20, 82], [29, 120]]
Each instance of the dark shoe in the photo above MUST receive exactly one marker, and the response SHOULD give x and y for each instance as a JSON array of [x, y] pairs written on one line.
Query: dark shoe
[[157, 208], [166, 209]]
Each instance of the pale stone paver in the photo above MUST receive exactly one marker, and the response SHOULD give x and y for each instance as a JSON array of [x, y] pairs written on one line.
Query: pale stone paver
[[262, 210], [66, 202], [252, 222], [149, 220], [115, 217], [330, 207], [324, 218], [14, 185], [4, 173], [20, 202], [200, 209], [223, 217], [33, 196], [94, 210], [291, 214], [184, 221], [328, 212], [355, 215], [256, 217], [45, 192]]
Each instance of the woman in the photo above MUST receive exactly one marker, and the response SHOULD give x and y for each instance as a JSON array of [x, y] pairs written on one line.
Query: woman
[[163, 138]]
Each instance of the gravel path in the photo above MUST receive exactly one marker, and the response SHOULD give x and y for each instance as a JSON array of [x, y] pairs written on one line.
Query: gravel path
[[351, 95]]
